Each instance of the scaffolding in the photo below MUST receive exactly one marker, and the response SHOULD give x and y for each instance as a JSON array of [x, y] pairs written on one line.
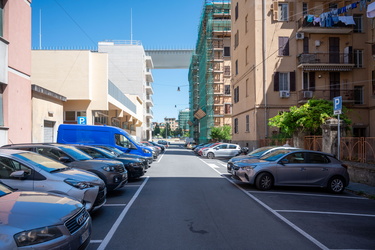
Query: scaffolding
[[215, 25]]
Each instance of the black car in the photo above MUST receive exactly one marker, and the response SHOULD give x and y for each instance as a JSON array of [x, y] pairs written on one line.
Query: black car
[[162, 147], [118, 153], [134, 166], [113, 173]]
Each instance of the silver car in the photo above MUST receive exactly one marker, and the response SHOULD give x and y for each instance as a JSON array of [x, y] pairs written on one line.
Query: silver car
[[293, 167], [256, 153], [39, 220], [222, 150], [29, 171]]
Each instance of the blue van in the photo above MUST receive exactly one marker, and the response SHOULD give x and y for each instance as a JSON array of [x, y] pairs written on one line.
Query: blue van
[[101, 135]]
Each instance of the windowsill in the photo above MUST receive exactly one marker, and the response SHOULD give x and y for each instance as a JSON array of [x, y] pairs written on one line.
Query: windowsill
[[4, 128]]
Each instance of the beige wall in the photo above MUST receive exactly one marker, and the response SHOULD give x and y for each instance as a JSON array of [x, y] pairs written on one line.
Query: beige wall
[[45, 109]]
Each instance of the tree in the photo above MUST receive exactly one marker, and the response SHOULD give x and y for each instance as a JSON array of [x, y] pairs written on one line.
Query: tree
[[221, 133], [156, 130], [307, 117]]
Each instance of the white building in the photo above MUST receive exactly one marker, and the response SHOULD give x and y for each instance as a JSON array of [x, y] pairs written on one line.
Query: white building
[[130, 70]]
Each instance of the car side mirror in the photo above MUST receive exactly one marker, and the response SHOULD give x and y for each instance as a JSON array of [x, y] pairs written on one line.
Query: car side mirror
[[18, 174], [284, 161]]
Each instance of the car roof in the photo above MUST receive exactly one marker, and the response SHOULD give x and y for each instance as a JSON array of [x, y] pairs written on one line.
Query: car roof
[[5, 151]]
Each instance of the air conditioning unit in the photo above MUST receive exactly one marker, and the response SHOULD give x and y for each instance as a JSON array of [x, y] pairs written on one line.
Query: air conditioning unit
[[284, 94], [300, 35], [307, 94]]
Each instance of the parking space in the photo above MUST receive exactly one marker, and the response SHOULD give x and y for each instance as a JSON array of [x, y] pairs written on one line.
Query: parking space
[[344, 221]]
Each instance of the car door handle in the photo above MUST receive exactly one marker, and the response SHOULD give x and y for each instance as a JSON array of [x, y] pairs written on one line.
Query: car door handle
[[303, 169], [324, 169]]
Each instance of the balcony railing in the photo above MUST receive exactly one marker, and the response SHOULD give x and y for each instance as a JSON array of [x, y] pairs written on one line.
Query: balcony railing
[[310, 27], [326, 61], [326, 94]]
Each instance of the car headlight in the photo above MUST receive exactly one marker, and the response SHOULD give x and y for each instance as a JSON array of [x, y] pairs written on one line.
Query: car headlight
[[146, 151], [109, 168], [249, 167], [78, 184], [36, 236]]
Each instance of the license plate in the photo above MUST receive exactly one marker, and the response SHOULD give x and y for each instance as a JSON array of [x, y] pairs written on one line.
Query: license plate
[[85, 235]]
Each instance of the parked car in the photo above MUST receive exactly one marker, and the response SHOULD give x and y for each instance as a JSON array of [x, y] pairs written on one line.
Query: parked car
[[293, 167], [200, 150], [118, 153], [155, 149], [112, 173], [28, 171], [223, 150], [162, 147], [164, 142], [40, 220], [259, 152], [134, 167]]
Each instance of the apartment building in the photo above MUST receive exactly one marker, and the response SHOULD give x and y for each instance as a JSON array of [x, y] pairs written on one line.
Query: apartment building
[[209, 72], [130, 71], [183, 119], [15, 71], [287, 52]]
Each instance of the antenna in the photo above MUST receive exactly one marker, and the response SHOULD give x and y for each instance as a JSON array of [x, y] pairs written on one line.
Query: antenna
[[131, 26], [40, 29]]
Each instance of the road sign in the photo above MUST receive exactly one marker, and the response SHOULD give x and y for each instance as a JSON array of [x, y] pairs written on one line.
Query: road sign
[[337, 105], [82, 120]]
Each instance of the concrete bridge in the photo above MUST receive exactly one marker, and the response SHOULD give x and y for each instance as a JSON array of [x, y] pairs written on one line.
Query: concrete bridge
[[170, 58]]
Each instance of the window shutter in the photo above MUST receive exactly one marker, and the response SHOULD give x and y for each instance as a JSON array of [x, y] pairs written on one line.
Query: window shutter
[[275, 11], [311, 80], [276, 81], [291, 11], [292, 79], [286, 47]]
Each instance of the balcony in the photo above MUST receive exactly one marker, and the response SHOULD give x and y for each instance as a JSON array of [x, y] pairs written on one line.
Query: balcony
[[149, 114], [149, 101], [326, 94], [326, 62], [149, 89], [149, 77], [339, 28]]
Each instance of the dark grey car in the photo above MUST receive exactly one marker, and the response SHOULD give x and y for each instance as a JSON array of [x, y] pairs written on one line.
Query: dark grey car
[[293, 167], [113, 173]]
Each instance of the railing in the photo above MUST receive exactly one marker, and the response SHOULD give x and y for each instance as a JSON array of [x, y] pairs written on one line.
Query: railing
[[303, 23], [327, 94], [357, 149], [325, 58], [275, 142]]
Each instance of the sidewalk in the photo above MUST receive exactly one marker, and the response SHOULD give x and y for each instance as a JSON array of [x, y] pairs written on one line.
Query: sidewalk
[[361, 188]]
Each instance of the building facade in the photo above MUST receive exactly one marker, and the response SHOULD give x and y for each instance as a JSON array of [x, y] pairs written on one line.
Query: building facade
[[287, 52], [209, 72], [130, 71], [15, 71], [72, 86], [183, 119]]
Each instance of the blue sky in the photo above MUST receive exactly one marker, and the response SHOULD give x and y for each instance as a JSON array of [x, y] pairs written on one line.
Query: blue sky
[[81, 24]]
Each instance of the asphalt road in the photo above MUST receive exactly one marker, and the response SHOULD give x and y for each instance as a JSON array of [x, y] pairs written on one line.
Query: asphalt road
[[188, 202]]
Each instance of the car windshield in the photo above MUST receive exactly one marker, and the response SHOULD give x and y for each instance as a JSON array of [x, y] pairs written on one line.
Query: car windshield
[[4, 190], [42, 162], [275, 155], [259, 151], [77, 154], [106, 153]]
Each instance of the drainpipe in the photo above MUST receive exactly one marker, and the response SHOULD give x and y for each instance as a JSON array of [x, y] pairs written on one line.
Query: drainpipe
[[264, 65]]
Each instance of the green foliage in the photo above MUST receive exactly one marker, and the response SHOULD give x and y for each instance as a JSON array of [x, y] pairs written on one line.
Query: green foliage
[[221, 133], [307, 117]]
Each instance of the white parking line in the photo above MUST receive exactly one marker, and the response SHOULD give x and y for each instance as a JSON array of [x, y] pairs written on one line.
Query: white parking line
[[318, 195], [318, 212], [95, 241], [274, 212], [111, 232]]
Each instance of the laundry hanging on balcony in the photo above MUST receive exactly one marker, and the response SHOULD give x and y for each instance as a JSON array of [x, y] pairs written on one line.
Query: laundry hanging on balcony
[[371, 10]]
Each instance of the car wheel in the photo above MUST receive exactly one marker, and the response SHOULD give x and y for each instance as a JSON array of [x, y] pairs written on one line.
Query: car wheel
[[210, 155], [264, 181], [336, 185]]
